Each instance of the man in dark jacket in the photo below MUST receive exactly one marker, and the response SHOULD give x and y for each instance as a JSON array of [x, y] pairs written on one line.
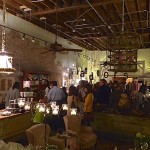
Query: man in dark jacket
[[103, 92]]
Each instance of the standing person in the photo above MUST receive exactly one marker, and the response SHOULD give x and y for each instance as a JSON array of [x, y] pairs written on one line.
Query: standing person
[[12, 94], [103, 92], [81, 92], [72, 99], [55, 94], [115, 95], [140, 98], [48, 87], [88, 105], [65, 95]]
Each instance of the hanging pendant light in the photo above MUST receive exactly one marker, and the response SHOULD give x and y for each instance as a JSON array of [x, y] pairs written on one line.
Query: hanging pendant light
[[5, 57]]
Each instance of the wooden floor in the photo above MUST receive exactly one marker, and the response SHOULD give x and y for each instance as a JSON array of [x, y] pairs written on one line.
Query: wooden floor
[[102, 144], [109, 144]]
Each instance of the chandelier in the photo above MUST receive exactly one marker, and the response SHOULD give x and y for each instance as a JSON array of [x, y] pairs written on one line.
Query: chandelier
[[5, 57]]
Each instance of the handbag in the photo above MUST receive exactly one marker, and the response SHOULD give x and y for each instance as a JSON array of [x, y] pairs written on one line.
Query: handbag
[[89, 116]]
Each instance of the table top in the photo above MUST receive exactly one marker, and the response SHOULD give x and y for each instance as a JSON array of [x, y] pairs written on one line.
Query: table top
[[11, 115]]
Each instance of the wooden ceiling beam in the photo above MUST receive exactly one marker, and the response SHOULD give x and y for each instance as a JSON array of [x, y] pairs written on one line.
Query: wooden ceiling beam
[[148, 9], [8, 10], [47, 4], [139, 16], [108, 15], [117, 15], [126, 8], [11, 5], [40, 6], [71, 8], [143, 33]]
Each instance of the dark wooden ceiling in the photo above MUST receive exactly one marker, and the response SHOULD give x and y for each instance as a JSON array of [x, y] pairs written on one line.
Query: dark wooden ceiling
[[88, 23]]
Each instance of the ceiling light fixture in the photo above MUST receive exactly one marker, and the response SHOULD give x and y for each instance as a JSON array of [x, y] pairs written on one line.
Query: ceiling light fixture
[[23, 7], [5, 57], [23, 37], [33, 40]]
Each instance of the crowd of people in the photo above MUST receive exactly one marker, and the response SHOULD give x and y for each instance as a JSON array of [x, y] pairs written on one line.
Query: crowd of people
[[113, 95], [87, 98]]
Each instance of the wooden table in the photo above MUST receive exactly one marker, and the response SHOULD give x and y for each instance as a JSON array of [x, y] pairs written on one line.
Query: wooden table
[[14, 125]]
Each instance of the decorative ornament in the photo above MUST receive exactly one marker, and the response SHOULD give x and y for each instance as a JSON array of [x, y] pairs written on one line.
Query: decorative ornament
[[106, 74]]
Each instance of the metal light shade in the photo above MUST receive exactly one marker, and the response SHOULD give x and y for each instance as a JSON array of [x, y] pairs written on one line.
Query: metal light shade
[[6, 63]]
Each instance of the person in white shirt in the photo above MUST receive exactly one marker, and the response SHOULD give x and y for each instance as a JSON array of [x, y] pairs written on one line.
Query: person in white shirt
[[47, 89], [55, 94], [12, 94]]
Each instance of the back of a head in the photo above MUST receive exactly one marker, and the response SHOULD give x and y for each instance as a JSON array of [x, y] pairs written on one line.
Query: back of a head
[[103, 82], [54, 83], [72, 90], [89, 88], [16, 85], [142, 89], [64, 89], [47, 83]]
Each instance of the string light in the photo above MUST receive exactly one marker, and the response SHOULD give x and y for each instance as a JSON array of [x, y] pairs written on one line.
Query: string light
[[33, 40], [23, 37]]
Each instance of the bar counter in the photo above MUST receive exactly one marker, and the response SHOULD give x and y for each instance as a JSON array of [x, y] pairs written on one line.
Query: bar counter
[[14, 125], [121, 125]]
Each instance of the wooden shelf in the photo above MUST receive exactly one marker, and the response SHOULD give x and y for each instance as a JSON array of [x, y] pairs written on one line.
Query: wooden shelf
[[38, 82]]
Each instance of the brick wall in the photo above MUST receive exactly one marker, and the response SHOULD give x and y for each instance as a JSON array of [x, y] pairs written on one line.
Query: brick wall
[[28, 55]]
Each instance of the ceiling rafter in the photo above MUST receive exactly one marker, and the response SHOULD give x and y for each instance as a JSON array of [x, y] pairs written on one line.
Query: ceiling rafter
[[118, 16], [148, 9], [71, 8], [139, 15], [11, 5], [108, 15], [40, 5], [127, 11]]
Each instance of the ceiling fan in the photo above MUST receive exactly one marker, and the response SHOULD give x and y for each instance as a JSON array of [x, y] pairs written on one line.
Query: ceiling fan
[[55, 47]]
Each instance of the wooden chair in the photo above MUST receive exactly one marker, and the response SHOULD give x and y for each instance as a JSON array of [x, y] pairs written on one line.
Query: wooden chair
[[85, 137], [36, 136]]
